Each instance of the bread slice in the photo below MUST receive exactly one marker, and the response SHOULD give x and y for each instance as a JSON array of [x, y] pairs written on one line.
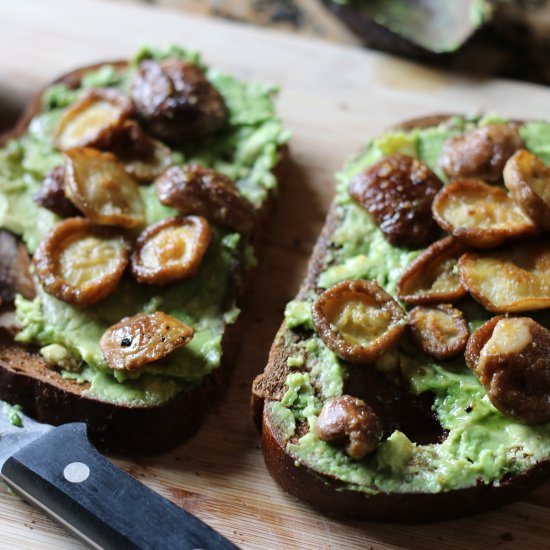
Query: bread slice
[[312, 471], [28, 380]]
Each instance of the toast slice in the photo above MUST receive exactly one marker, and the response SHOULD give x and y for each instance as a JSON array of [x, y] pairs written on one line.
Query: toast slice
[[166, 403], [446, 451]]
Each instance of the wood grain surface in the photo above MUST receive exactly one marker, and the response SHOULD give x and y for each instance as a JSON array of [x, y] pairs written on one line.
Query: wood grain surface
[[332, 98]]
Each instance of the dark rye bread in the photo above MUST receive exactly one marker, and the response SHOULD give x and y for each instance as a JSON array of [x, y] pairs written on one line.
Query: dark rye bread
[[329, 494], [26, 379]]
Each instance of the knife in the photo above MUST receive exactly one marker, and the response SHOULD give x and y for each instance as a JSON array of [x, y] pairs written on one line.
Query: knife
[[60, 471]]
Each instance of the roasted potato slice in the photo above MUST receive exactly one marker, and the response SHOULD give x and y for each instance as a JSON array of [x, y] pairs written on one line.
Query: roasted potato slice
[[139, 340], [358, 320], [97, 183], [80, 263], [433, 278], [511, 358], [512, 280], [480, 215], [93, 121], [528, 180], [398, 192], [176, 102], [143, 157], [481, 153], [440, 331], [346, 420], [197, 190], [171, 250], [51, 194]]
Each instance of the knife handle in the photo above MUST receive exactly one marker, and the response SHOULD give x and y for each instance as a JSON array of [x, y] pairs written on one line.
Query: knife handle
[[66, 476]]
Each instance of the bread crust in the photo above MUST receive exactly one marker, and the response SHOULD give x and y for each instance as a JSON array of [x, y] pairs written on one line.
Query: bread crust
[[331, 496], [26, 379]]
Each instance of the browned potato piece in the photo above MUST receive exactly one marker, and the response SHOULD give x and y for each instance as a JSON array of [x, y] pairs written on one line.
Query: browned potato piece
[[480, 153], [176, 102], [94, 120], [480, 215], [528, 180], [511, 358], [171, 250], [358, 320], [80, 263], [196, 190], [512, 280], [100, 187], [139, 340], [440, 331], [433, 278], [398, 192], [51, 194], [348, 421], [143, 157]]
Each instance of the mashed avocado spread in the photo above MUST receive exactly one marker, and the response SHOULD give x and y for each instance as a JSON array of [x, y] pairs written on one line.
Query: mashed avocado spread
[[481, 444], [246, 151]]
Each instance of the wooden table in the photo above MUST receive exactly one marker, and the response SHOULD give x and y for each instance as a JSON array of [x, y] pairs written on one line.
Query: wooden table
[[333, 97]]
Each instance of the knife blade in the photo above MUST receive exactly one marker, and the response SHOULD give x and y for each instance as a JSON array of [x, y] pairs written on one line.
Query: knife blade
[[59, 470]]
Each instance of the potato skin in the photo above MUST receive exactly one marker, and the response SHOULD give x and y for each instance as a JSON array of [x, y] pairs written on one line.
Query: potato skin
[[528, 180], [176, 102], [398, 192], [481, 153], [517, 382]]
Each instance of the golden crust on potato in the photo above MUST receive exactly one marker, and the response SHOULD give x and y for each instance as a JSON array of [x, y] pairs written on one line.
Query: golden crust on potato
[[81, 263], [94, 120], [432, 278], [440, 331], [480, 215], [511, 280], [358, 320], [170, 250], [97, 183]]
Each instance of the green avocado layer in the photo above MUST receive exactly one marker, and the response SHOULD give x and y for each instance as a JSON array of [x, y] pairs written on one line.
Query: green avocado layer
[[247, 151], [481, 444]]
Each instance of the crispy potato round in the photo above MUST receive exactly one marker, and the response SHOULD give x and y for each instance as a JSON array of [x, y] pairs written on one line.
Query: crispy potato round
[[432, 277], [51, 194], [358, 320], [528, 180], [440, 331], [481, 153], [171, 250], [480, 215], [81, 263], [511, 358], [140, 340], [94, 120], [348, 421], [511, 280], [176, 102], [143, 157], [197, 190], [97, 183], [398, 192]]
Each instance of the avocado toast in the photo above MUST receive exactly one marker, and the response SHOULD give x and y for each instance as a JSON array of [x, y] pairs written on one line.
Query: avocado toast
[[162, 112], [403, 435]]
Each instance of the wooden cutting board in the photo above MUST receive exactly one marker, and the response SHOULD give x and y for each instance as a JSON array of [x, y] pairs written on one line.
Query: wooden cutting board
[[332, 98]]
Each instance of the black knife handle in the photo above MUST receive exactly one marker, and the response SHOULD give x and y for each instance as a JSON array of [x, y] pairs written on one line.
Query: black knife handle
[[64, 474]]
